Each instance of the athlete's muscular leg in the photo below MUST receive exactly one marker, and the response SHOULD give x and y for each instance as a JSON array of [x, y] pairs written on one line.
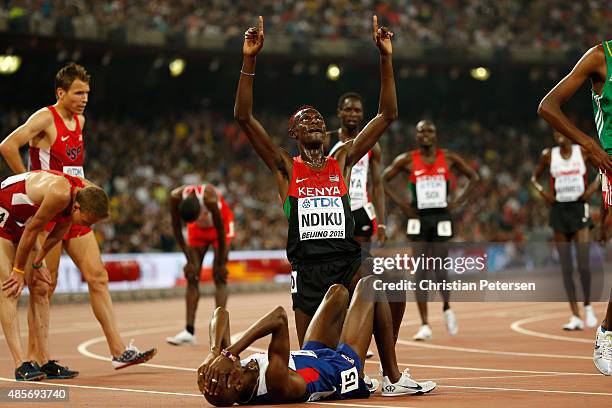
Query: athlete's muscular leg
[[192, 273], [302, 321], [8, 306], [220, 283], [421, 295], [440, 251], [326, 325], [39, 307], [85, 253], [582, 250], [38, 316], [369, 313], [567, 269]]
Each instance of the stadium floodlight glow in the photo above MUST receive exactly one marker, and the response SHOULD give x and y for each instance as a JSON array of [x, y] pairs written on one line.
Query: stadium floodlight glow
[[480, 73], [333, 72], [9, 64], [176, 66]]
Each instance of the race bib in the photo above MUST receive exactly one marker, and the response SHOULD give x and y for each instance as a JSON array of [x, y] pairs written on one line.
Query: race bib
[[4, 214], [445, 229], [414, 226], [569, 187], [350, 380], [74, 171], [370, 210], [431, 192], [321, 218]]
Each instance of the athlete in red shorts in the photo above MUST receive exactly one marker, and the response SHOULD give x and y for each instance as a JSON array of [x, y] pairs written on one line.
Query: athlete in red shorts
[[209, 221], [28, 202], [55, 138]]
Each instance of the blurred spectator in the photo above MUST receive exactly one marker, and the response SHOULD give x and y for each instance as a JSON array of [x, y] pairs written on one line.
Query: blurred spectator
[[557, 24]]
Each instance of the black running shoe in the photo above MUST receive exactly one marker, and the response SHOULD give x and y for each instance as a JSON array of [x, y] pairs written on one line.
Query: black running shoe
[[29, 371], [132, 356], [56, 371]]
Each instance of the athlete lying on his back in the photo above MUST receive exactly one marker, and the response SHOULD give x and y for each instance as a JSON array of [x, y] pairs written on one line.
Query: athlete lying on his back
[[329, 366]]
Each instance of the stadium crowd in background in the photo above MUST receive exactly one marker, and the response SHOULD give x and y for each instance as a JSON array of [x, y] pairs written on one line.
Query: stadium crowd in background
[[564, 25], [208, 146]]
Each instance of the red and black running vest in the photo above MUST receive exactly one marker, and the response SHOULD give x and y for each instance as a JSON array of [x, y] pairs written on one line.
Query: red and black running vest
[[429, 182], [66, 154], [318, 208]]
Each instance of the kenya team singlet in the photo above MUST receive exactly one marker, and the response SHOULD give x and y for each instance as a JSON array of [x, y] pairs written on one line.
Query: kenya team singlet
[[429, 182], [318, 208]]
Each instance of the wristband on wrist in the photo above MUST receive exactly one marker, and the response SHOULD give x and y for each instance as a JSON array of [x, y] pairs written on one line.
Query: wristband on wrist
[[37, 265], [247, 73], [226, 353], [17, 270]]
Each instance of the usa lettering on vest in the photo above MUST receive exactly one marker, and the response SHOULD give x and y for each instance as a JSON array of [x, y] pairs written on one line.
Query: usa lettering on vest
[[321, 217], [431, 192]]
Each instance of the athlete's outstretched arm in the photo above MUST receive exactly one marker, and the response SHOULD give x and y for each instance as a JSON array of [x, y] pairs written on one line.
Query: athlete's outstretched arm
[[463, 168], [271, 154], [550, 107], [387, 107], [378, 193], [543, 164], [9, 148], [402, 163]]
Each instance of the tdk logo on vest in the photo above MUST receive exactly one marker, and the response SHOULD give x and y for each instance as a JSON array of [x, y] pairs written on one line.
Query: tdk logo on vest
[[322, 202], [73, 152]]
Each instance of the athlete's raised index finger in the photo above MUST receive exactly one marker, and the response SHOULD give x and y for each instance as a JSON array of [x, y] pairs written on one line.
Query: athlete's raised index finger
[[374, 25], [261, 27]]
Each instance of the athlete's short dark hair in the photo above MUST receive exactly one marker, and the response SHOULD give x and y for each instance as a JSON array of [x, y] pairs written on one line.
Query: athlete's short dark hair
[[93, 200], [349, 95], [67, 75], [293, 117], [189, 208]]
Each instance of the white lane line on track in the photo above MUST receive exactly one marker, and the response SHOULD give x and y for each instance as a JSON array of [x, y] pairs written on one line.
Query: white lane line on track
[[528, 390], [83, 349], [516, 326], [182, 394], [499, 377], [495, 370], [483, 351]]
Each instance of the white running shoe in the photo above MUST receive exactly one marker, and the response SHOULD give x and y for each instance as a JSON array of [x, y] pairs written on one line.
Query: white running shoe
[[371, 383], [451, 322], [575, 323], [602, 356], [589, 316], [369, 354], [182, 339], [406, 386], [423, 334]]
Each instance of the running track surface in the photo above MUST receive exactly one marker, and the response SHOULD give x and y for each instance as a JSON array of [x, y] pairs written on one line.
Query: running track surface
[[505, 355]]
